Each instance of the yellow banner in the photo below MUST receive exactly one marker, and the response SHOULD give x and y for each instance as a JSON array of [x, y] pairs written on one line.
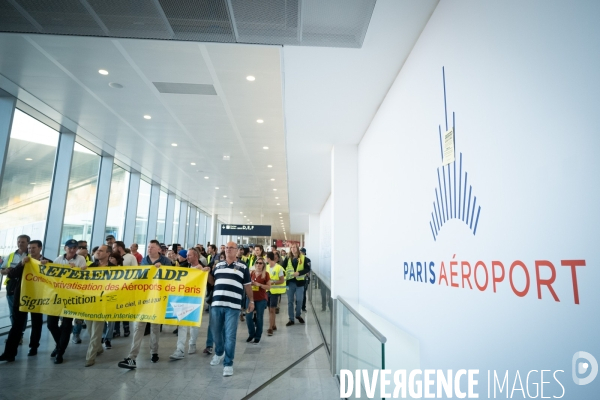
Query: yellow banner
[[165, 295]]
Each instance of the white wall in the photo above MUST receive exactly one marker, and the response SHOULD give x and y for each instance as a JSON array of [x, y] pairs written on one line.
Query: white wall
[[324, 266], [524, 81]]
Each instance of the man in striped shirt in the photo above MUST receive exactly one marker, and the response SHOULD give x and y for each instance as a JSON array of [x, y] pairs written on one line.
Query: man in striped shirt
[[230, 278]]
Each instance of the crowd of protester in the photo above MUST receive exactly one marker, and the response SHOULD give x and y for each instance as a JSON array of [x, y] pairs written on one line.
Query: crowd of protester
[[243, 283]]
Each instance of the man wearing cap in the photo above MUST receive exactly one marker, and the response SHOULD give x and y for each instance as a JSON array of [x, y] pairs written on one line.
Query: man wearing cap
[[182, 258], [62, 334], [110, 239]]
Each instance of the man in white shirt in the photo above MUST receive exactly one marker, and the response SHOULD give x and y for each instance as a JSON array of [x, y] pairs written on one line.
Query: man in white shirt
[[62, 334]]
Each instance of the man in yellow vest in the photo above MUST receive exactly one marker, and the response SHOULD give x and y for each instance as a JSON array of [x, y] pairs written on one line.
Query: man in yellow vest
[[11, 261], [278, 288], [297, 268]]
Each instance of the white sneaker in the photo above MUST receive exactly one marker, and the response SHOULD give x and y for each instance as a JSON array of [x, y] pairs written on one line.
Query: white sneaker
[[216, 360], [178, 355], [192, 349], [227, 371], [76, 339]]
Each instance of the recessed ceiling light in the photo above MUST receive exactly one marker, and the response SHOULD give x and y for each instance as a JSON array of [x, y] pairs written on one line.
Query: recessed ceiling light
[[103, 72], [115, 85], [225, 196], [265, 147], [244, 216], [193, 163], [29, 159], [276, 198], [231, 202], [241, 212], [260, 121], [269, 166], [147, 116], [274, 190], [226, 158], [272, 179], [279, 213], [206, 177], [278, 204], [174, 144], [250, 78], [32, 183], [216, 187]]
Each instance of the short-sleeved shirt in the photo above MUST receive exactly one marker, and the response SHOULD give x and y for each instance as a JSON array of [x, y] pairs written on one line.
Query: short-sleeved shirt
[[129, 260], [258, 292], [78, 261], [230, 280]]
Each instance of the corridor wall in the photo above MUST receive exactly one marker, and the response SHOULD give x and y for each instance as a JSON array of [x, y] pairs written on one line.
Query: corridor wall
[[521, 88]]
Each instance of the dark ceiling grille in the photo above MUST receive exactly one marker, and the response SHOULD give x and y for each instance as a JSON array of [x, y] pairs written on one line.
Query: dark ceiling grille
[[327, 23]]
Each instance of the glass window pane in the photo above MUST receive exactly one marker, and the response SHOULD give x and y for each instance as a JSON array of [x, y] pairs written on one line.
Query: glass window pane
[[27, 181], [187, 228], [141, 218], [196, 230], [176, 220], [117, 203], [162, 215], [81, 198]]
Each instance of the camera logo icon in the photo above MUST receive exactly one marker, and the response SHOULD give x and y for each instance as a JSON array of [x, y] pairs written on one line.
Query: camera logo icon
[[584, 367]]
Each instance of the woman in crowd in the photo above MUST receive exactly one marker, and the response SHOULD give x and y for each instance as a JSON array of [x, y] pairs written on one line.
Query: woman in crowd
[[261, 282]]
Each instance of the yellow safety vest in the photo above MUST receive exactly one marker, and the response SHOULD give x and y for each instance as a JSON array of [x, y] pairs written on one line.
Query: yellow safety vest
[[289, 271], [274, 273], [11, 257]]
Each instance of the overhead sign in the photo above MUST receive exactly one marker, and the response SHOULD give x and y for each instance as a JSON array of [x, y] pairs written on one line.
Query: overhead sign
[[246, 230]]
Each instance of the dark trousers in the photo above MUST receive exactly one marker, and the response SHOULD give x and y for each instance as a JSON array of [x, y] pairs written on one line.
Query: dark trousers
[[14, 335], [61, 334], [118, 326]]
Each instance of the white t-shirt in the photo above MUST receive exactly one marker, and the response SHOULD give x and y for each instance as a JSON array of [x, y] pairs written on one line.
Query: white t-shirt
[[78, 260], [129, 260]]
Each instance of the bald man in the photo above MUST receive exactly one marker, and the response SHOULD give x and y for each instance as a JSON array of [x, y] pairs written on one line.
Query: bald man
[[231, 278]]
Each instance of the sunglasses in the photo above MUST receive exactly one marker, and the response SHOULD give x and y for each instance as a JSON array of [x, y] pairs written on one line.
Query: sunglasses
[[260, 263], [82, 247]]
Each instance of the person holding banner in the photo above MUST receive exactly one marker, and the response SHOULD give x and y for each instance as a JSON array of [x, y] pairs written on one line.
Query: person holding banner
[[95, 327], [62, 334], [230, 279], [155, 258], [193, 259], [20, 318]]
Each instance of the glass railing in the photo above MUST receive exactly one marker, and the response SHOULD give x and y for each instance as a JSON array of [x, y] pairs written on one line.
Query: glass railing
[[360, 346], [319, 296]]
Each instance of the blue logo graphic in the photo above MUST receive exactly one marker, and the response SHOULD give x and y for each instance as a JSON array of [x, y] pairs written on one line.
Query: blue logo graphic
[[451, 203], [184, 308], [585, 368]]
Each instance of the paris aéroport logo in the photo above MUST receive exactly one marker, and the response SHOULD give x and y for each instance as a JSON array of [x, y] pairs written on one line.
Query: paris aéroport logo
[[454, 195]]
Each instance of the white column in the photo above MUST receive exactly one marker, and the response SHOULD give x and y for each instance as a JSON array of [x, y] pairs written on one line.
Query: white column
[[213, 229], [182, 223], [7, 112], [170, 218], [344, 213], [58, 196], [131, 213], [102, 197], [313, 243], [153, 211]]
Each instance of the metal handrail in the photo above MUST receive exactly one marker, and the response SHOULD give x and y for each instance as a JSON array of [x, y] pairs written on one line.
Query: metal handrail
[[366, 323]]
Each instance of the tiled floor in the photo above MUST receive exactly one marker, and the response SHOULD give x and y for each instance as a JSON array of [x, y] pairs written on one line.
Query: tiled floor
[[190, 378]]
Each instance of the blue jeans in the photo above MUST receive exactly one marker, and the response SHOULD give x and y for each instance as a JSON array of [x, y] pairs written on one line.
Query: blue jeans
[[77, 327], [209, 335], [298, 291], [255, 330], [108, 331], [224, 322]]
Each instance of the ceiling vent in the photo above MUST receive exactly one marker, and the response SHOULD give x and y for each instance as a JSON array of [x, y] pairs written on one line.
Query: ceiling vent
[[185, 88]]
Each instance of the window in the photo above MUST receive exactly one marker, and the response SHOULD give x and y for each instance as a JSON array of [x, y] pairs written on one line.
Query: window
[[117, 203], [141, 218], [187, 228], [162, 215], [176, 221], [197, 230], [25, 194], [81, 198]]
